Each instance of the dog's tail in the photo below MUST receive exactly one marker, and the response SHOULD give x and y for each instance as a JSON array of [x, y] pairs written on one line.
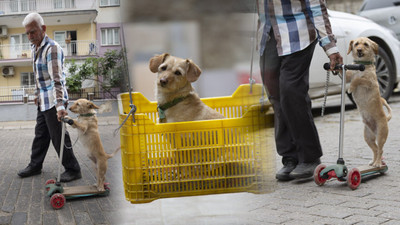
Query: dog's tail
[[112, 154], [389, 116]]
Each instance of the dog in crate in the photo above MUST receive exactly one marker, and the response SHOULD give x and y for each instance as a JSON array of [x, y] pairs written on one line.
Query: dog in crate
[[176, 98], [364, 88], [90, 138], [177, 102]]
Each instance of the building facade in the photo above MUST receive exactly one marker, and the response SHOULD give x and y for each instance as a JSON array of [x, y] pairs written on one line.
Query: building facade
[[74, 24]]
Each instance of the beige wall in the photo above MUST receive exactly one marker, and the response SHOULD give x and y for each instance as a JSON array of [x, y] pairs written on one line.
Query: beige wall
[[109, 15], [16, 79]]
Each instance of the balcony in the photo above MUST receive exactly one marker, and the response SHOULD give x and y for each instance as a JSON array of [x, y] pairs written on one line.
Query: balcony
[[41, 6], [72, 49]]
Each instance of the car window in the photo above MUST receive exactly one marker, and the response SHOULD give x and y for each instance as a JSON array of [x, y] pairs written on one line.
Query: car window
[[376, 4]]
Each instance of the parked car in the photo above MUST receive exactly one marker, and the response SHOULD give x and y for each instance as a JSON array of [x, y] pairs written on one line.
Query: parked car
[[347, 27], [383, 12]]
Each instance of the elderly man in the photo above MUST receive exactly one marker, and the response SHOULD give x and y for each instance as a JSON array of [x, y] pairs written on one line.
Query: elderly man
[[51, 99]]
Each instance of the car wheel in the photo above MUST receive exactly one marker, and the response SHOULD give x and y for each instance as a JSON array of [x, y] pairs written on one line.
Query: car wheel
[[385, 75]]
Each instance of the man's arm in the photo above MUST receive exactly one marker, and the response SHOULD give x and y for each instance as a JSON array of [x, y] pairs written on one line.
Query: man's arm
[[55, 69], [322, 25]]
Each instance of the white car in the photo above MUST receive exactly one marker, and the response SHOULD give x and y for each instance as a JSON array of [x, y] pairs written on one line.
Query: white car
[[383, 12], [347, 27]]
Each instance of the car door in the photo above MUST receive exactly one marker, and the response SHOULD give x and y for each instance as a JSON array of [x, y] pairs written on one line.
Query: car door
[[384, 12]]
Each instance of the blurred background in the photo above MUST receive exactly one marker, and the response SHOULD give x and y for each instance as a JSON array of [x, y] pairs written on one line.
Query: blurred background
[[217, 35]]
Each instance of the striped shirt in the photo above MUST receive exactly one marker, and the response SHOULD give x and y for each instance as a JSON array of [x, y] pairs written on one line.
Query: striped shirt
[[296, 24], [48, 62]]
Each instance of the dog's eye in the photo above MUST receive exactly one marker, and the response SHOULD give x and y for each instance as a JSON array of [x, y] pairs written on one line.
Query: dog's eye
[[164, 68], [356, 44], [178, 73], [366, 44]]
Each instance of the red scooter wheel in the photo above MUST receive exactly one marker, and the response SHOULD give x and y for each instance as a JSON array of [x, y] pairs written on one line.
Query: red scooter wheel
[[51, 181], [317, 177], [354, 178], [57, 201]]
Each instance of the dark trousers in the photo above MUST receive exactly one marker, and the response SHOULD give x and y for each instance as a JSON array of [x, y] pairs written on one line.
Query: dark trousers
[[49, 128], [287, 81]]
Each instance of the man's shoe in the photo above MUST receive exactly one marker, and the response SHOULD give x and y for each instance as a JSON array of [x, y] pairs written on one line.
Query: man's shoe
[[29, 171], [284, 173], [69, 175], [305, 170]]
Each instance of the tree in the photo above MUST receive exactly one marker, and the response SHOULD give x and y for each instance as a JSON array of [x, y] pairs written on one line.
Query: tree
[[108, 71]]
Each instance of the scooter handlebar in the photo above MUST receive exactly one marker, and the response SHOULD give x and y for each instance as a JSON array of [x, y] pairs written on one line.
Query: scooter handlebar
[[360, 67], [69, 121]]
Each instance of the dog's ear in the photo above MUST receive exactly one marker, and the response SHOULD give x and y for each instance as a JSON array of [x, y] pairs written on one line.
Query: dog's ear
[[156, 61], [350, 47], [193, 71], [91, 105], [375, 47]]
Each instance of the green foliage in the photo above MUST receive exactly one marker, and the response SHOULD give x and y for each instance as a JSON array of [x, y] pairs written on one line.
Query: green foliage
[[108, 71]]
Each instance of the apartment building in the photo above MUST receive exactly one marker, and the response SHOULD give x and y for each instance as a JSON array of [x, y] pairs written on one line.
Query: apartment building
[[74, 24]]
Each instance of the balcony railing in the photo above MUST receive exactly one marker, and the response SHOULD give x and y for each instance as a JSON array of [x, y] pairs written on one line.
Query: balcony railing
[[26, 6], [74, 48], [19, 94]]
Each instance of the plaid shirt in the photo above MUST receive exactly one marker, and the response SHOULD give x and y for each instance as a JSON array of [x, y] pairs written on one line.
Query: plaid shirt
[[48, 62], [296, 24]]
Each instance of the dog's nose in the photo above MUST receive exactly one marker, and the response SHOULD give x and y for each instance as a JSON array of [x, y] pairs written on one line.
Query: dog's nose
[[163, 82]]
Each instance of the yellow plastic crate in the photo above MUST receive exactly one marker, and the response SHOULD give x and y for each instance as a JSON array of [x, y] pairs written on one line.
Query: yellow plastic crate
[[235, 154]]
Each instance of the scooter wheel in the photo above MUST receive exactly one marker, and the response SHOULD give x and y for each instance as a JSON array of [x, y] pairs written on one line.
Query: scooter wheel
[[50, 181], [57, 201], [317, 177], [354, 178]]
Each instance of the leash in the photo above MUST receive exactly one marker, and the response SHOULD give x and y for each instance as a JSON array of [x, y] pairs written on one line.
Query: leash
[[326, 93]]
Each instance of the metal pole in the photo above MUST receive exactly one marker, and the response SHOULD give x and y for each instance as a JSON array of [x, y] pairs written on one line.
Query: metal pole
[[342, 109], [61, 150]]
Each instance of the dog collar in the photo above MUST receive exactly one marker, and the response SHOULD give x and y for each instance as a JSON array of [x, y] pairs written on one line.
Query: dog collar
[[163, 107], [87, 114], [364, 62]]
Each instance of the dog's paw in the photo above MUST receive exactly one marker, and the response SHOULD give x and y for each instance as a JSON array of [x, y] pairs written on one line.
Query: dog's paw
[[100, 188], [377, 164]]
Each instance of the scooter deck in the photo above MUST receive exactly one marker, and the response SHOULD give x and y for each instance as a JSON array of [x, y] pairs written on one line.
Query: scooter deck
[[366, 169], [81, 190]]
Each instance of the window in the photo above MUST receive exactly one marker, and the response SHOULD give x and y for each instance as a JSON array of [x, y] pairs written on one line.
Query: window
[[373, 4], [61, 4], [110, 36], [19, 44], [109, 2], [27, 79]]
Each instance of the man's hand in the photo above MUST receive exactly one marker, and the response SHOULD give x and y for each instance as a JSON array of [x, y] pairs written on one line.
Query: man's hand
[[61, 113], [335, 58]]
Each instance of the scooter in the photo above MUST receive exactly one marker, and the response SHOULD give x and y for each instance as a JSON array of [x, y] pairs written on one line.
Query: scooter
[[59, 194], [322, 173]]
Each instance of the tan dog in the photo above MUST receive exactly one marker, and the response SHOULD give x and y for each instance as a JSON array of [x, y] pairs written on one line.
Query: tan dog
[[90, 138], [365, 90], [177, 100]]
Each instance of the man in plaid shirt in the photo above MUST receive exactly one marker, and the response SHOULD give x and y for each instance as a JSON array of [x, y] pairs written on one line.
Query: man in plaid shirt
[[51, 99], [288, 33]]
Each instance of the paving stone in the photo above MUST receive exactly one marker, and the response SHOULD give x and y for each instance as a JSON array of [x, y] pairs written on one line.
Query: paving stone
[[376, 201], [19, 218], [82, 218]]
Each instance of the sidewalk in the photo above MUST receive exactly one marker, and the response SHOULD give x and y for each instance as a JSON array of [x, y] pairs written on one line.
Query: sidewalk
[[376, 201], [12, 125]]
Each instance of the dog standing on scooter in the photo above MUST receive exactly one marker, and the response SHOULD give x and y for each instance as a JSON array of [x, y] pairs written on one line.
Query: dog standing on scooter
[[364, 88], [89, 136]]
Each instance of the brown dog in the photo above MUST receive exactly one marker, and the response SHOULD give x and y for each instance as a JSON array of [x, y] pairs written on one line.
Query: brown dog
[[177, 100], [365, 90], [89, 136]]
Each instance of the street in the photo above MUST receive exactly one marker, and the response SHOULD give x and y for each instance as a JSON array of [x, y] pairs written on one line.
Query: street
[[376, 201]]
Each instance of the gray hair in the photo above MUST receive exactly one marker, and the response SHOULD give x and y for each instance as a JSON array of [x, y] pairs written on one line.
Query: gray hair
[[33, 17]]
